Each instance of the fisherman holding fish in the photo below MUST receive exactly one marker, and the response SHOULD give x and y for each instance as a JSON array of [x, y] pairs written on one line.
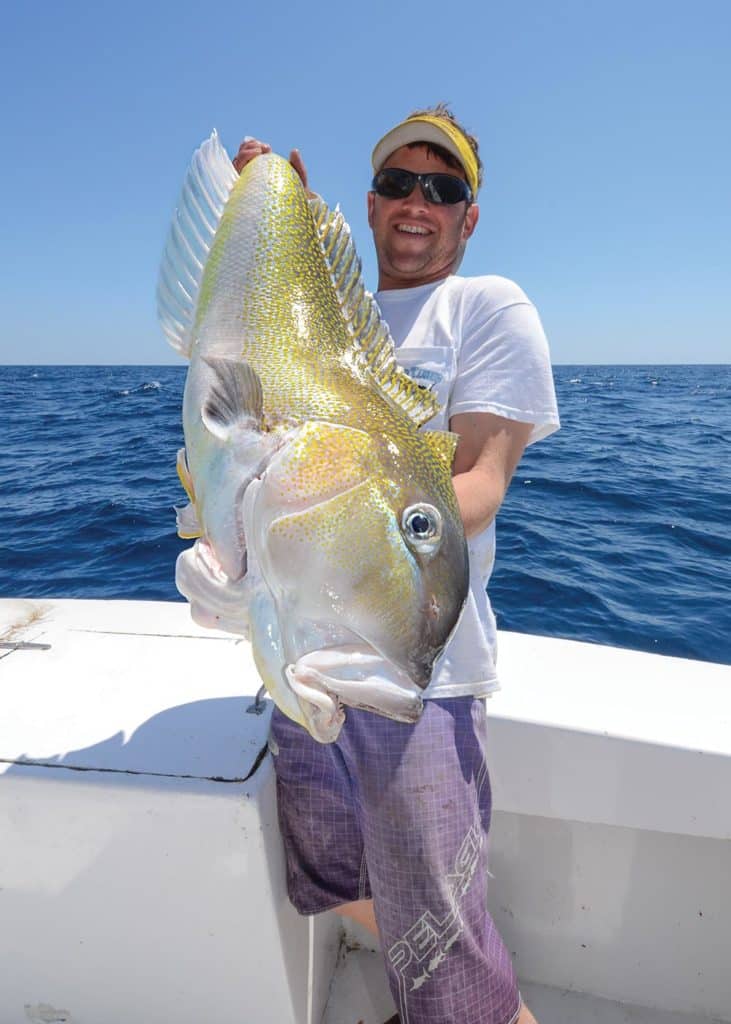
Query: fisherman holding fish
[[389, 825], [323, 509]]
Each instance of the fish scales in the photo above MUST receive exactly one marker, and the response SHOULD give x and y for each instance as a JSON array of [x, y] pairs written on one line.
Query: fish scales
[[286, 291]]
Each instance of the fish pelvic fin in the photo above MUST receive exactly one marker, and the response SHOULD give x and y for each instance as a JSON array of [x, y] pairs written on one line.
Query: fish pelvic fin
[[443, 443], [235, 400], [186, 517], [207, 186], [184, 474], [186, 522], [373, 345]]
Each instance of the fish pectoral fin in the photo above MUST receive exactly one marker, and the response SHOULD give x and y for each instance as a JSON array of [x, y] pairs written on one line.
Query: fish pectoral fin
[[186, 521], [443, 443], [234, 401]]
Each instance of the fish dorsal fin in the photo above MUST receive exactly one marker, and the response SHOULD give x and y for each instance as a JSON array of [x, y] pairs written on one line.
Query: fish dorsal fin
[[206, 188], [443, 443], [374, 347]]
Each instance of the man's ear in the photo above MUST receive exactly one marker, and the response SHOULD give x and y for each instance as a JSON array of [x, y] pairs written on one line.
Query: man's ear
[[470, 221], [371, 200]]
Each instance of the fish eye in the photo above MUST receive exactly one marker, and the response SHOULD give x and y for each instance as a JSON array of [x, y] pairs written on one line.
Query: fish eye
[[422, 526]]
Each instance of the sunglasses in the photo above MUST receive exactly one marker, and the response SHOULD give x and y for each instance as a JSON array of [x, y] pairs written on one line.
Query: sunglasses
[[395, 183]]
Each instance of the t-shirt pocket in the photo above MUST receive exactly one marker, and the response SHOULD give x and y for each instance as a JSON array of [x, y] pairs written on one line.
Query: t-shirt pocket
[[433, 369]]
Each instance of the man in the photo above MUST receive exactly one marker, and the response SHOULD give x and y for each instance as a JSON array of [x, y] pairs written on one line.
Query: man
[[388, 825]]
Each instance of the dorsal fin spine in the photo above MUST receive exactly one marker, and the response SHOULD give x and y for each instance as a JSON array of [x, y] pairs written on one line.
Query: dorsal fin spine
[[344, 274], [349, 290], [341, 246]]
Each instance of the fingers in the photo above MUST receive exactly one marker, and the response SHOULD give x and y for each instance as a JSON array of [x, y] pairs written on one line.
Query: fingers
[[251, 148], [297, 162], [248, 149]]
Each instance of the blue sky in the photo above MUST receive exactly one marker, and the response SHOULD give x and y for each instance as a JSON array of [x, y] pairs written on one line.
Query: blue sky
[[603, 127]]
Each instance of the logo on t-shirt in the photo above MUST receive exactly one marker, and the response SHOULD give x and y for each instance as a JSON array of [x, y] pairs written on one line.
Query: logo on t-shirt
[[428, 379]]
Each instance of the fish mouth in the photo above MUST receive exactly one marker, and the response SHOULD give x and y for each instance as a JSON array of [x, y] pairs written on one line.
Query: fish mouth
[[321, 709], [354, 675], [216, 601]]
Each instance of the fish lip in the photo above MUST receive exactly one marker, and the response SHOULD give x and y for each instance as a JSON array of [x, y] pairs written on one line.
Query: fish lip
[[418, 669], [322, 722], [207, 561], [323, 727], [345, 674]]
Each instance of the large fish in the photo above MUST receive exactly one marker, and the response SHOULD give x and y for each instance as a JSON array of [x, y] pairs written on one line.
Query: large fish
[[328, 528]]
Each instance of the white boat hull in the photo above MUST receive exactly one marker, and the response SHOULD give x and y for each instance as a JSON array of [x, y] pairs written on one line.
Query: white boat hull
[[141, 872]]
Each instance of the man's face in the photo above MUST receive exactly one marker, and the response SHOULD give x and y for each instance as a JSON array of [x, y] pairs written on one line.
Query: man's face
[[418, 242]]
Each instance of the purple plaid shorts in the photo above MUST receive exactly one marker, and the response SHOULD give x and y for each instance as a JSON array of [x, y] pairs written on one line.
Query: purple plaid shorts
[[400, 813]]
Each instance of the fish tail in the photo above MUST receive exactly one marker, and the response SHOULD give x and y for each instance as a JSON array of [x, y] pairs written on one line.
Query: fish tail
[[207, 186]]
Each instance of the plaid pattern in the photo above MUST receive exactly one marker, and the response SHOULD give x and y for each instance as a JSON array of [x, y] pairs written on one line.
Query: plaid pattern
[[401, 813]]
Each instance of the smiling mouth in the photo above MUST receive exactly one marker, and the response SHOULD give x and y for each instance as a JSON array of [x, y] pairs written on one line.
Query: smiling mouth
[[412, 229]]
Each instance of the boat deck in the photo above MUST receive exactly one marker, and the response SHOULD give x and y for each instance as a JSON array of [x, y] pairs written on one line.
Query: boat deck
[[359, 995]]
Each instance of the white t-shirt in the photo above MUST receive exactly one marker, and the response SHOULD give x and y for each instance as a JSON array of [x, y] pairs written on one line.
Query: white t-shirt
[[477, 342]]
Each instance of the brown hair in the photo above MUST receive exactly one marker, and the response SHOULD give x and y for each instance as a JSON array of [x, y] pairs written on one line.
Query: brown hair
[[442, 110]]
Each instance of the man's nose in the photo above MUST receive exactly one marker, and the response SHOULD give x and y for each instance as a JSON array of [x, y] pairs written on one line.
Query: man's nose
[[416, 197]]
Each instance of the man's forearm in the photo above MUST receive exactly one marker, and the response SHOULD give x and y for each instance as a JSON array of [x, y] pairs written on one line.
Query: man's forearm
[[479, 497], [489, 449]]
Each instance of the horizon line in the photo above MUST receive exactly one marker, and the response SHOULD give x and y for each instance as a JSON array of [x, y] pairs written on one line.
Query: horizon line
[[184, 362]]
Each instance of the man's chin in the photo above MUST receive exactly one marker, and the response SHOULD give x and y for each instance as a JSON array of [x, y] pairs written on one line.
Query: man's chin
[[409, 273]]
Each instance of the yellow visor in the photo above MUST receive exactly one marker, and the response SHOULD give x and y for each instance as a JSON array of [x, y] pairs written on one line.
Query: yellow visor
[[428, 128]]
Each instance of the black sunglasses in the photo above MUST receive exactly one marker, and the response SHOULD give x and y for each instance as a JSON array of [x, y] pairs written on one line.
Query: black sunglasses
[[396, 183]]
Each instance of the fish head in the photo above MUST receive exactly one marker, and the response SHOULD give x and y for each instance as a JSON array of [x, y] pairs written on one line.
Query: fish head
[[352, 556]]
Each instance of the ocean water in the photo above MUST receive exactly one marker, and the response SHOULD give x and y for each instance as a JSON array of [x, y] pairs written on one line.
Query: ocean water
[[616, 530]]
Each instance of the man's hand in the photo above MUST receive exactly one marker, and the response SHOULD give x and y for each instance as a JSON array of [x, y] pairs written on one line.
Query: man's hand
[[250, 148]]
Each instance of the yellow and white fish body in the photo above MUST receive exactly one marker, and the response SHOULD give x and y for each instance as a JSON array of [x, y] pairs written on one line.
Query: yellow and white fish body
[[327, 524]]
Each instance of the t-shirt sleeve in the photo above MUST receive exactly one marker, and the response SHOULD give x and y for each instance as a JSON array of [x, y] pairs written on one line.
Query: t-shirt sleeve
[[504, 365]]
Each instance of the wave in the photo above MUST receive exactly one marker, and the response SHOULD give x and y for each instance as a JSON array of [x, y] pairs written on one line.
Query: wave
[[147, 386]]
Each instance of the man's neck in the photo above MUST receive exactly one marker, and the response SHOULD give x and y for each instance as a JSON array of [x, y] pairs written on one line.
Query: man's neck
[[389, 284]]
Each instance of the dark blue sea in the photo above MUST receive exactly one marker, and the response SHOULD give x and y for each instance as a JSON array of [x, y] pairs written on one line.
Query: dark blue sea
[[616, 530]]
